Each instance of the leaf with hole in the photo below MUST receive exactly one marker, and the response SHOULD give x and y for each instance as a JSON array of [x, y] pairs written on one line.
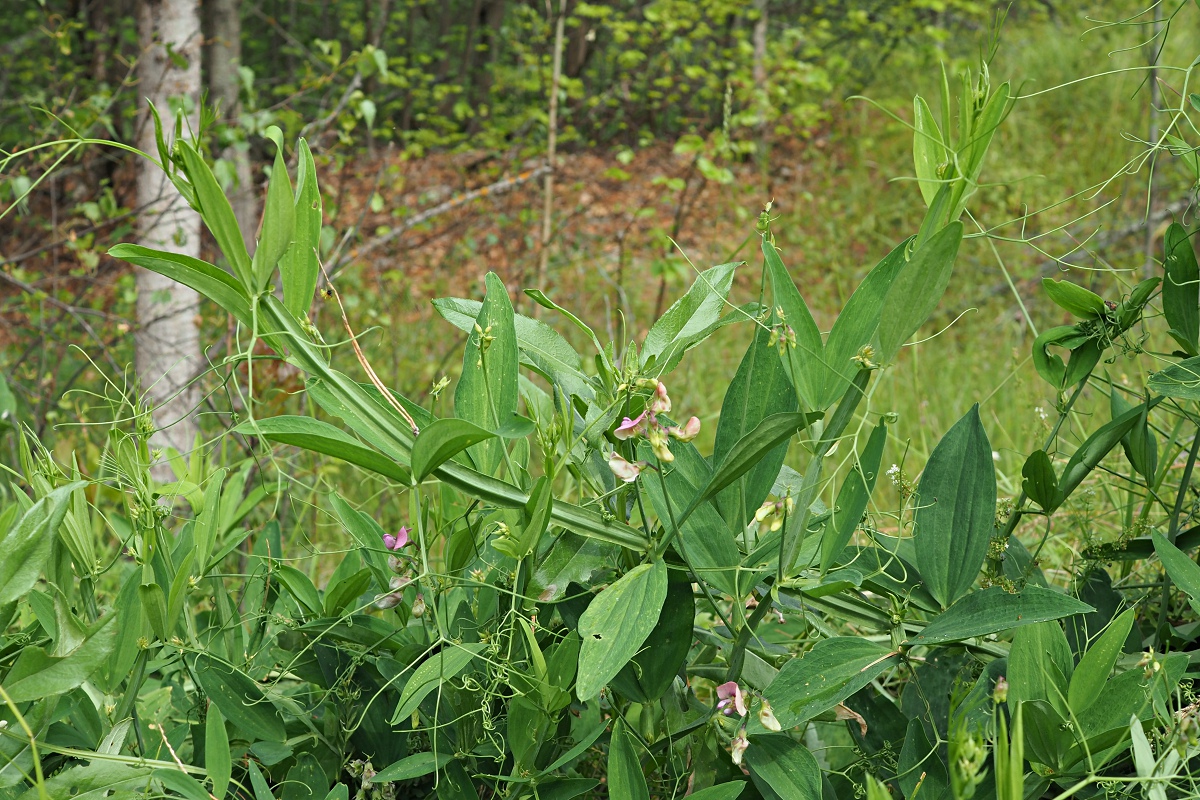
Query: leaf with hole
[[616, 624]]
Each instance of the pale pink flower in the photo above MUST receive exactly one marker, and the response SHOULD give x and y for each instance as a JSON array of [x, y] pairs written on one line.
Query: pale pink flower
[[688, 431], [730, 697], [631, 427], [661, 404], [738, 747], [623, 469], [767, 717], [396, 542]]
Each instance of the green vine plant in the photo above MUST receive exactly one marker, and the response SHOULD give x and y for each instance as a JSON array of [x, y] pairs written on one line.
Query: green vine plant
[[579, 593]]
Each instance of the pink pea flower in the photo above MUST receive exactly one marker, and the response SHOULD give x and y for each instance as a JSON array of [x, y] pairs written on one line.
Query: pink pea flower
[[630, 427], [738, 747], [623, 469], [396, 542], [688, 431], [730, 697], [661, 404]]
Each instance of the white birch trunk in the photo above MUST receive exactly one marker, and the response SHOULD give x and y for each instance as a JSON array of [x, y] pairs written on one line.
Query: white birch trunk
[[168, 344]]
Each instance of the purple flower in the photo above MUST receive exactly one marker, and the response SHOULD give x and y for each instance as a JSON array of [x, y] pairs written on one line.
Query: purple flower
[[396, 542], [661, 404], [730, 697], [630, 427]]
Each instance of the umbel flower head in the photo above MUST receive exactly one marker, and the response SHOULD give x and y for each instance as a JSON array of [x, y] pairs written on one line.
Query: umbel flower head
[[655, 432]]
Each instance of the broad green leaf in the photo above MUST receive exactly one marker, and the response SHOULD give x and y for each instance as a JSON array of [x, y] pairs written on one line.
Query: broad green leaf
[[1097, 664], [1096, 447], [321, 437], [759, 389], [542, 348], [340, 791], [413, 766], [305, 780], [154, 601], [651, 671], [1074, 298], [487, 392], [625, 777], [689, 320], [825, 676], [216, 751], [706, 543], [1181, 288], [1182, 570], [99, 779], [218, 217], [930, 155], [1180, 381], [1040, 482], [858, 323], [993, 610], [722, 791], [956, 512], [278, 225], [853, 497], [447, 663], [1040, 665], [239, 698], [748, 451], [27, 545], [616, 624], [62, 675], [805, 361], [443, 440], [917, 290], [300, 587], [571, 559], [782, 768], [921, 764], [299, 266], [341, 594], [181, 783], [1140, 445]]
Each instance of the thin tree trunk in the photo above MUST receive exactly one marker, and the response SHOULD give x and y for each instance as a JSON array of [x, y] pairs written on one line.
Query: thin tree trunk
[[223, 57], [551, 144], [168, 344]]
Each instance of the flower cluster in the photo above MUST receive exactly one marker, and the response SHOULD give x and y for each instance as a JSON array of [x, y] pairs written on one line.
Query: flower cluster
[[730, 699], [401, 565], [771, 514], [656, 433]]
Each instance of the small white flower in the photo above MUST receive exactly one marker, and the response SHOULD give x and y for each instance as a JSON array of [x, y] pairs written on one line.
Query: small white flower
[[995, 455], [1041, 412]]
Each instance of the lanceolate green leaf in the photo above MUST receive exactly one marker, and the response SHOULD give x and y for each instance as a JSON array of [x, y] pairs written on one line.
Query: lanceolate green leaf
[[956, 510], [651, 671], [1181, 289], [759, 389], [443, 440], [806, 361], [216, 751], [689, 319], [825, 676], [1040, 482], [239, 697], [299, 266], [1074, 298], [442, 666], [917, 290], [213, 282], [1096, 447], [615, 625], [27, 545], [1182, 570], [858, 324], [929, 151], [625, 777], [487, 392], [782, 768], [1180, 381], [218, 216], [543, 349], [853, 497], [278, 225], [65, 674], [1040, 665], [321, 437], [413, 766], [1092, 673], [993, 610], [772, 432]]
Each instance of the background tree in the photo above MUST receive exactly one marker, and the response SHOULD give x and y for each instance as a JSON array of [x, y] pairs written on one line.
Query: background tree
[[168, 345]]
